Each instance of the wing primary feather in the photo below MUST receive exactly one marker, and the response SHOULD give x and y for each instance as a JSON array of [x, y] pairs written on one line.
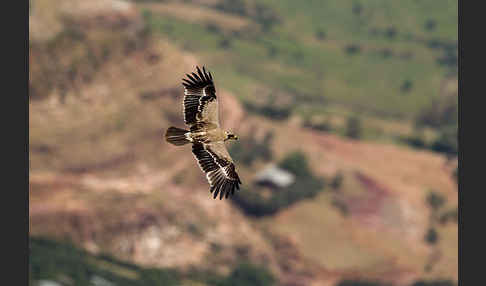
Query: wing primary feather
[[222, 192], [216, 192], [191, 78], [228, 188], [187, 81], [205, 74], [196, 76], [200, 74]]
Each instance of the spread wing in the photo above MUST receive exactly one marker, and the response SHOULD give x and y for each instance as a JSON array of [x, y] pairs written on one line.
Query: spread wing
[[200, 102], [214, 160]]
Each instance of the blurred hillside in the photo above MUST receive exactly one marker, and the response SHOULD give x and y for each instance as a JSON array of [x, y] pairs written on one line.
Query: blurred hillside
[[368, 87]]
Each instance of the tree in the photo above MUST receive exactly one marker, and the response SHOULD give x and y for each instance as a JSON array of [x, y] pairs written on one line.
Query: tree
[[320, 34], [431, 237], [406, 86], [441, 112], [435, 200], [337, 181], [353, 128], [247, 274], [430, 25], [296, 163], [357, 8], [352, 49]]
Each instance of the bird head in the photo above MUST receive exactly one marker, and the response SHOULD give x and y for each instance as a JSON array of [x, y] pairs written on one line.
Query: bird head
[[230, 136]]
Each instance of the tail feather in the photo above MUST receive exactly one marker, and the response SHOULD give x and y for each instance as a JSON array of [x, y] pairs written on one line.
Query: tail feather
[[176, 136]]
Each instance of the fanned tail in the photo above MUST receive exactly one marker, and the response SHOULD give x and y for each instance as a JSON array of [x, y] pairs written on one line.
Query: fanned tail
[[177, 136]]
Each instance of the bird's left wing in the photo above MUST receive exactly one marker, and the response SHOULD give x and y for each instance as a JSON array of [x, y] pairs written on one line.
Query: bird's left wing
[[215, 161], [200, 102]]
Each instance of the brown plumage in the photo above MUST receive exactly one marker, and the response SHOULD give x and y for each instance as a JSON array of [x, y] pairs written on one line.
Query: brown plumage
[[200, 107]]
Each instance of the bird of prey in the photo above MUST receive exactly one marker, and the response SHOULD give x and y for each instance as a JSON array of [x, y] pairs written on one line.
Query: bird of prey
[[200, 107]]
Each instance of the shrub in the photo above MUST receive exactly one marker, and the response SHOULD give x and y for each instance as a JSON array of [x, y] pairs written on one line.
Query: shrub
[[431, 236], [416, 140], [341, 206], [449, 215], [337, 181], [440, 113], [270, 110], [435, 200], [360, 283], [357, 8], [320, 34], [154, 276], [247, 274], [252, 203], [353, 128], [272, 51], [266, 16], [296, 163], [319, 126], [430, 25], [386, 53], [225, 43], [213, 28], [434, 283], [406, 86], [447, 141], [391, 32], [237, 7], [352, 49]]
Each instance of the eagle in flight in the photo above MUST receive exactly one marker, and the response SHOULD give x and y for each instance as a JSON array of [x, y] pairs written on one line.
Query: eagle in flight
[[200, 108]]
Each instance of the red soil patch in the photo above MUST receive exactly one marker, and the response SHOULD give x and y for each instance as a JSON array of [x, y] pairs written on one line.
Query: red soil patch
[[370, 203]]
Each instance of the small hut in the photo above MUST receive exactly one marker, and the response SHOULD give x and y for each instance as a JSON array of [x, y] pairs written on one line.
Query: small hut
[[274, 177]]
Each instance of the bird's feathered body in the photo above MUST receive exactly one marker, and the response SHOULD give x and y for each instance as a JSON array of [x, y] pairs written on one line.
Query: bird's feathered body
[[201, 114]]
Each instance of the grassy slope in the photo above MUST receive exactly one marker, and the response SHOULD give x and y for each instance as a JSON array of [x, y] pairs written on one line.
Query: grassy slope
[[303, 65]]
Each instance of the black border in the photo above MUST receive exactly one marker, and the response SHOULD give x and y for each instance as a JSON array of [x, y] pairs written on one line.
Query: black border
[[461, 146], [20, 33]]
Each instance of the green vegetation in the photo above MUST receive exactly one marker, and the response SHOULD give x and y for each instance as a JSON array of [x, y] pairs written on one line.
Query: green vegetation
[[333, 54], [431, 236], [269, 110], [360, 283], [246, 274], [306, 185], [248, 149], [442, 115], [52, 260], [435, 200], [60, 261], [417, 283], [449, 215], [337, 181], [323, 125], [434, 283], [353, 128]]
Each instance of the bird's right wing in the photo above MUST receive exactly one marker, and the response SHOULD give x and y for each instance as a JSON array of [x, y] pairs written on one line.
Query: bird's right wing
[[200, 102], [216, 163]]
